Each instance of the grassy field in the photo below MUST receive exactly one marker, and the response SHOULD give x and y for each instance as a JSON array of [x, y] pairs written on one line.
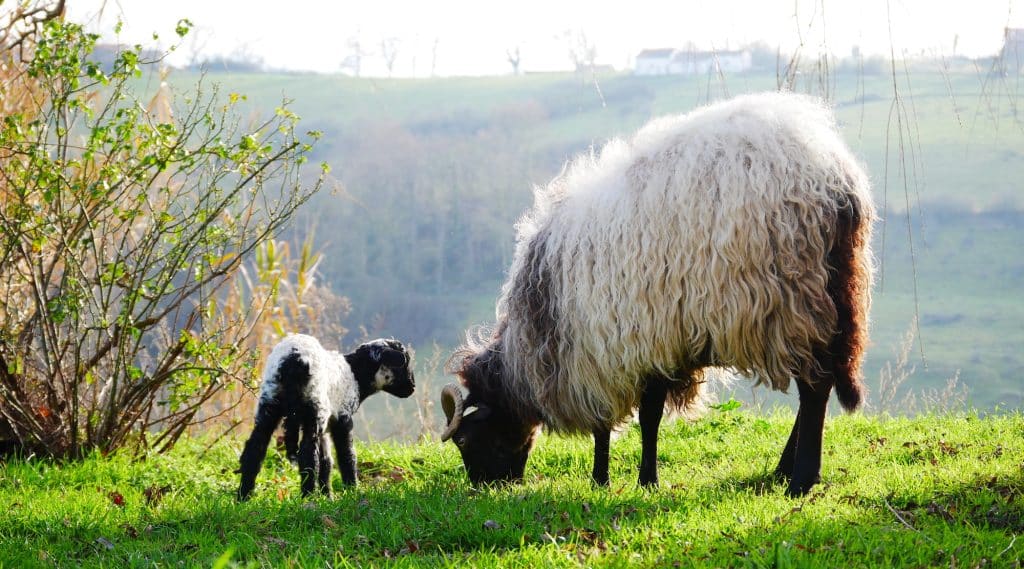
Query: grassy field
[[925, 492]]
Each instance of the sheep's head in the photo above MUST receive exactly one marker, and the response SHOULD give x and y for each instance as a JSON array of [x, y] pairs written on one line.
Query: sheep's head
[[493, 440], [383, 365]]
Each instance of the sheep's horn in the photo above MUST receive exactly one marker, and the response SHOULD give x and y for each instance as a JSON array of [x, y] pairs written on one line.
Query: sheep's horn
[[452, 402]]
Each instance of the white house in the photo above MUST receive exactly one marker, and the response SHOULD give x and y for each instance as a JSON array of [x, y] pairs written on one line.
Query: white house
[[653, 61], [690, 62]]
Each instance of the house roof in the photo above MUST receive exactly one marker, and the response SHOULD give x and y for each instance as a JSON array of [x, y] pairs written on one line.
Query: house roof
[[661, 53], [691, 55]]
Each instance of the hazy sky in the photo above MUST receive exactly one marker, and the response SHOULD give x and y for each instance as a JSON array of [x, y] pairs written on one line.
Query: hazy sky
[[464, 37]]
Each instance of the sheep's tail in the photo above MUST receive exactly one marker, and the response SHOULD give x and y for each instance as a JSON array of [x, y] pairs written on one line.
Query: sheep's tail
[[850, 289], [293, 377]]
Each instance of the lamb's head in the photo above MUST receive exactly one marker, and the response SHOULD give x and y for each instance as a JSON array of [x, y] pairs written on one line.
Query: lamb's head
[[383, 365], [494, 440]]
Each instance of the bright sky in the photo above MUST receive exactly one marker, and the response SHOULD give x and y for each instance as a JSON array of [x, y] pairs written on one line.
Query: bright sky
[[471, 37]]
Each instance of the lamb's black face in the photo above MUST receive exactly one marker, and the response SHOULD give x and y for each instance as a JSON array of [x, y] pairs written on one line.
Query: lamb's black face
[[390, 365], [395, 375], [494, 445]]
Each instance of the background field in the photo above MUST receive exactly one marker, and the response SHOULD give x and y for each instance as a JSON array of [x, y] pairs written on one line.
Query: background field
[[432, 174]]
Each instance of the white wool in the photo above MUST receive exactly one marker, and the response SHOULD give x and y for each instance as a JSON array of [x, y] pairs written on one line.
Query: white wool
[[703, 234], [331, 380]]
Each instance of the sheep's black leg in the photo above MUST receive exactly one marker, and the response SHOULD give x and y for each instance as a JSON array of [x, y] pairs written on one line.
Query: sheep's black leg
[[652, 407], [602, 438], [784, 471], [267, 418], [309, 454], [324, 476], [810, 428], [341, 432], [291, 438]]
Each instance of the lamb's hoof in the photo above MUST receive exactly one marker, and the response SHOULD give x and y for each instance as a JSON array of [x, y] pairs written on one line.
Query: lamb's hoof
[[799, 489], [649, 484]]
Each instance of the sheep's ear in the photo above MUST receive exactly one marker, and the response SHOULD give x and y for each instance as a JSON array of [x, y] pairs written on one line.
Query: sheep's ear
[[479, 411]]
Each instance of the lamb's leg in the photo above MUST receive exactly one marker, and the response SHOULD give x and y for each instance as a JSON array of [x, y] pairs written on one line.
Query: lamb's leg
[[267, 418], [784, 471], [652, 407], [309, 454], [324, 478], [341, 432], [291, 438], [810, 428], [602, 438]]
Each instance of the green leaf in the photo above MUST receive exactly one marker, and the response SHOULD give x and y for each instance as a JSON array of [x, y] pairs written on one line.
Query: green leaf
[[730, 405], [183, 27]]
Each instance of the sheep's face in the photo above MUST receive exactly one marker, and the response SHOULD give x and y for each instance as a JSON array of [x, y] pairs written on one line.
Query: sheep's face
[[494, 443]]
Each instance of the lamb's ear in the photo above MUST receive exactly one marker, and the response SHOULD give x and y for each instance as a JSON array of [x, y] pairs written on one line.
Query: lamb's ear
[[372, 350], [391, 358]]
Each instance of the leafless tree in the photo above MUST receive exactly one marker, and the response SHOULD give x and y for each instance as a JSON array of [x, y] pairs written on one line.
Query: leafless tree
[[354, 60], [582, 52], [197, 42], [513, 59], [389, 51], [433, 57]]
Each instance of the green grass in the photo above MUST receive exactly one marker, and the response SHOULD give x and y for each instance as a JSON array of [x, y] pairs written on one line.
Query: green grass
[[931, 491]]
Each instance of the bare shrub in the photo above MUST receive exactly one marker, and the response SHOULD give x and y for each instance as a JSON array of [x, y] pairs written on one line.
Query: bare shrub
[[121, 224]]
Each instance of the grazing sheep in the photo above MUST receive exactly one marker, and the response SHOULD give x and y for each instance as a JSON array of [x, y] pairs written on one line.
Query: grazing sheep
[[316, 391], [735, 236]]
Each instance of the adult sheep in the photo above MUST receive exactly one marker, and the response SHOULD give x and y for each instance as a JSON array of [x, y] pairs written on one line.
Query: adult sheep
[[735, 236]]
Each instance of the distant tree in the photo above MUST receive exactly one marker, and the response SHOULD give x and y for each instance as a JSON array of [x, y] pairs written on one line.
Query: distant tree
[[762, 56], [513, 59], [197, 42], [1011, 56], [241, 60], [582, 52], [433, 57], [389, 51], [354, 60]]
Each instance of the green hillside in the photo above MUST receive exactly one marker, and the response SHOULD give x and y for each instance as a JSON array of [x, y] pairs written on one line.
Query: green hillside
[[432, 174]]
